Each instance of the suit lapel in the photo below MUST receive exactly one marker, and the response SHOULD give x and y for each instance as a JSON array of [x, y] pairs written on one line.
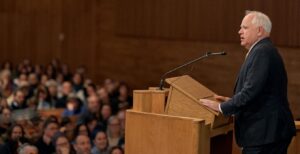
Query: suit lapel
[[243, 68]]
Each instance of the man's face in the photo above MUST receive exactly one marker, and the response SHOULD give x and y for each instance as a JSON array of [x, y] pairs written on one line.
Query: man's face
[[106, 111], [114, 126], [51, 129], [16, 133], [32, 79], [117, 151], [23, 77], [62, 143], [103, 94], [66, 88], [93, 104], [30, 150], [77, 79], [20, 97], [6, 115], [249, 33], [82, 145], [52, 90], [100, 141]]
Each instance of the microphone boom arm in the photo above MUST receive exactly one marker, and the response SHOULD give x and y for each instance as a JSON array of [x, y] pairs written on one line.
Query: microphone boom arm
[[162, 79]]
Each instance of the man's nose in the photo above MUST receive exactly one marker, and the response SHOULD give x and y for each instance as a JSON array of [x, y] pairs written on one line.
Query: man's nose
[[240, 31]]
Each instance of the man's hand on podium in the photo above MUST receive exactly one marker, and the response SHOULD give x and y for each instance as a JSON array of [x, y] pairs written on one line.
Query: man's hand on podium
[[214, 104], [221, 98], [211, 104]]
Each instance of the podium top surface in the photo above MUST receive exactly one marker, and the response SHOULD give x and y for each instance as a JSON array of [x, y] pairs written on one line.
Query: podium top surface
[[192, 88]]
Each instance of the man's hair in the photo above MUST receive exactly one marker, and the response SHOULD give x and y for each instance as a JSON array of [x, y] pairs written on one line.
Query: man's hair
[[112, 118], [56, 136], [21, 149], [11, 128], [50, 120], [76, 138], [18, 90], [261, 19]]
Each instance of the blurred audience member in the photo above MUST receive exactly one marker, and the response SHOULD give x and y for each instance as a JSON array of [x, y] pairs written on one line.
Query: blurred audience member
[[53, 90], [100, 143], [42, 98], [5, 120], [15, 138], [28, 149], [44, 143], [61, 144], [74, 107], [81, 129], [92, 109], [116, 150], [67, 127], [19, 100], [113, 131], [82, 144], [67, 91]]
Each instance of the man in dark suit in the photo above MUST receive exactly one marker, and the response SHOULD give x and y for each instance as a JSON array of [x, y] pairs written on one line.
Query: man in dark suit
[[263, 121]]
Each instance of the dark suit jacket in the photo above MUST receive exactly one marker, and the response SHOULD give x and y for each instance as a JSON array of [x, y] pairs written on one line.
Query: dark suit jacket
[[260, 105]]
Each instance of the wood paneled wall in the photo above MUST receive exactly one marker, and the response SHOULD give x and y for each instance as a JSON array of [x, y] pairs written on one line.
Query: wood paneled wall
[[29, 29], [138, 40], [43, 29], [179, 19], [216, 20]]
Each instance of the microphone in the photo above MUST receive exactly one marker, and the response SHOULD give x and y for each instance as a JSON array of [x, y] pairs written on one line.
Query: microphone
[[217, 53], [207, 54]]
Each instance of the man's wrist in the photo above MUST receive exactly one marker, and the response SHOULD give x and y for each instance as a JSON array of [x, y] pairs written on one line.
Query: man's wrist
[[220, 109]]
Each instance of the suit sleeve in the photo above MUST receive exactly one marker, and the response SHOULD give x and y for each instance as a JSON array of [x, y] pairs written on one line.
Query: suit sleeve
[[256, 79]]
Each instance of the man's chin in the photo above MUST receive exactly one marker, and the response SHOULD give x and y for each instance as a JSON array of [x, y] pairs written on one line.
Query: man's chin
[[242, 44]]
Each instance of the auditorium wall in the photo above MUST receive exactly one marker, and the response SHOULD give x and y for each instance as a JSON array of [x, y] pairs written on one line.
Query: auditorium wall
[[138, 40]]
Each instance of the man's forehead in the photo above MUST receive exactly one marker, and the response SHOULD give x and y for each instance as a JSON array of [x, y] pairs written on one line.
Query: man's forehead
[[247, 19], [82, 138]]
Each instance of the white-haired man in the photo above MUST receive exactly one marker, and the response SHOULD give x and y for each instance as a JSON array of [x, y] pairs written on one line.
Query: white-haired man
[[263, 121], [28, 149]]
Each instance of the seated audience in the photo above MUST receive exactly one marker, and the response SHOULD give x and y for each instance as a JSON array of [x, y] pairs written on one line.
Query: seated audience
[[30, 96]]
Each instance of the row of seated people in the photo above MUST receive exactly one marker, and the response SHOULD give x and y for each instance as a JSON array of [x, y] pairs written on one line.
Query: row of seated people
[[32, 94], [61, 138]]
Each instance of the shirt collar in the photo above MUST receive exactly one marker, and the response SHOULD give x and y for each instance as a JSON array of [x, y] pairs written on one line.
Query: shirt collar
[[252, 47]]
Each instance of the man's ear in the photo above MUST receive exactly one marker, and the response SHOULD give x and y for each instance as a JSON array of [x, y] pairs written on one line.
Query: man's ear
[[260, 31]]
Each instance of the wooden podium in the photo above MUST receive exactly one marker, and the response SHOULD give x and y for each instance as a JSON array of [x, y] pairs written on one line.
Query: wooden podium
[[183, 100], [172, 121]]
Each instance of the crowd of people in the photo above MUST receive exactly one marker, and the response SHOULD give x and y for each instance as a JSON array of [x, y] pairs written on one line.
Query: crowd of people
[[92, 116]]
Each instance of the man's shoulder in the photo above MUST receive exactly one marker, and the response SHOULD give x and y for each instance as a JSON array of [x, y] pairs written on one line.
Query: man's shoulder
[[40, 143], [265, 43], [264, 48]]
